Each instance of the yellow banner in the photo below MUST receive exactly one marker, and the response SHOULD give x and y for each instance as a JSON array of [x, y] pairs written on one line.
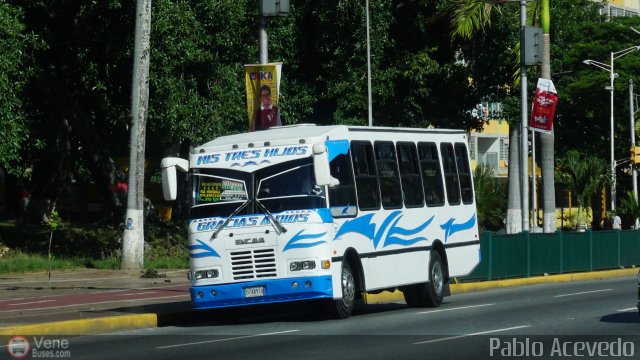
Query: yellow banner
[[263, 87]]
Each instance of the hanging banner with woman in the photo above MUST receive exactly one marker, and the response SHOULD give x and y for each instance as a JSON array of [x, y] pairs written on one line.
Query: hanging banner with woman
[[263, 87]]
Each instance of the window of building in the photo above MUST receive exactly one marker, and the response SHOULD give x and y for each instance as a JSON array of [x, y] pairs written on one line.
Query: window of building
[[342, 197], [388, 175], [431, 174], [410, 174], [368, 192], [464, 173], [450, 173]]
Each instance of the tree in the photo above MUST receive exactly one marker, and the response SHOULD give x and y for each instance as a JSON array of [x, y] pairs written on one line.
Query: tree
[[630, 206], [133, 237], [469, 17], [583, 175], [490, 198], [15, 69]]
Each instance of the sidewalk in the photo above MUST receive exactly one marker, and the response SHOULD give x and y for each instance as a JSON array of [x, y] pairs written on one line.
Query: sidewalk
[[91, 301], [110, 295]]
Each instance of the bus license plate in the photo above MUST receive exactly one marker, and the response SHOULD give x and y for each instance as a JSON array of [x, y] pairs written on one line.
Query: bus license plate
[[255, 291]]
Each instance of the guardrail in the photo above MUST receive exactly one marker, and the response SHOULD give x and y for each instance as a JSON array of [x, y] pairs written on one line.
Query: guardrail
[[527, 254]]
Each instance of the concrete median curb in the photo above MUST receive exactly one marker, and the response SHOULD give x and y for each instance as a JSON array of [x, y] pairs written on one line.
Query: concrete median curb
[[85, 326], [388, 296]]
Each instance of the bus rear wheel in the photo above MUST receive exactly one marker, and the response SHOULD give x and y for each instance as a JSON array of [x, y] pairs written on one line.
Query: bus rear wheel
[[343, 308], [429, 294]]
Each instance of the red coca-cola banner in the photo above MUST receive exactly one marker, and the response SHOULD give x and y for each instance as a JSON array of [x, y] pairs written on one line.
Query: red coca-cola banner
[[544, 106]]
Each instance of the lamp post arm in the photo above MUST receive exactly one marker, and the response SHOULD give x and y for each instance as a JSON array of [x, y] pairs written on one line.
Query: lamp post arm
[[603, 66], [621, 53]]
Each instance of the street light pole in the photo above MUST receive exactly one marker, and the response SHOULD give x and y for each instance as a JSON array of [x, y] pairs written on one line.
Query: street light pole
[[263, 46], [612, 76], [632, 130], [613, 160]]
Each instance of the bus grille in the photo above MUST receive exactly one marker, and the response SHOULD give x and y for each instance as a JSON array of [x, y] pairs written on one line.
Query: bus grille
[[251, 264]]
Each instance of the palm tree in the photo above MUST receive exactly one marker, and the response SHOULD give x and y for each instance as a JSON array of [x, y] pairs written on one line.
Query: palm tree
[[583, 175], [473, 15], [630, 206], [490, 199], [547, 140]]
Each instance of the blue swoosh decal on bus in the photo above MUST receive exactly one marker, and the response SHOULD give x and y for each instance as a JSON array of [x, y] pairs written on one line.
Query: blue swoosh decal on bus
[[207, 250], [397, 230], [360, 225], [250, 162], [451, 228], [365, 227], [295, 241], [383, 227]]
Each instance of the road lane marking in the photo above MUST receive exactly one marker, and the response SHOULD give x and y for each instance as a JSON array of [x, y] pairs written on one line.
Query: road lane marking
[[95, 303], [581, 293], [142, 293], [31, 302], [226, 339], [17, 299], [473, 334], [628, 309], [455, 308]]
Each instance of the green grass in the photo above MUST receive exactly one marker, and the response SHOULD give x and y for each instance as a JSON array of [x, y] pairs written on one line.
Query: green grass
[[19, 262], [77, 246]]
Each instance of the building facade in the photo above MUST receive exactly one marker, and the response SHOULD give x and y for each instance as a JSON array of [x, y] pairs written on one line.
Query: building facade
[[490, 147], [614, 8]]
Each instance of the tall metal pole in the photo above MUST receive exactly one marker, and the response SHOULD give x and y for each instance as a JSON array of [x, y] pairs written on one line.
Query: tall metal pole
[[524, 141], [632, 130], [613, 159], [263, 39], [369, 101], [133, 238], [534, 193]]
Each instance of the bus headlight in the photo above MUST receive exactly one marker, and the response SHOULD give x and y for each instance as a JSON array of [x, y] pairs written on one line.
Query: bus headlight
[[206, 274], [302, 265]]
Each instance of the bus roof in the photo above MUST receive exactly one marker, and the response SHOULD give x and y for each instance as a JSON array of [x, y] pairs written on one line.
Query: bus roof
[[303, 133]]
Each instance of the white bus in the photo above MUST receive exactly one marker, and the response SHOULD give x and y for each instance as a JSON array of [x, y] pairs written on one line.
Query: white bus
[[328, 212]]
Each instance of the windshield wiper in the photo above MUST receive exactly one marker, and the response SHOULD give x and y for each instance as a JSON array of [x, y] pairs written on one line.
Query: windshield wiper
[[226, 222], [279, 228]]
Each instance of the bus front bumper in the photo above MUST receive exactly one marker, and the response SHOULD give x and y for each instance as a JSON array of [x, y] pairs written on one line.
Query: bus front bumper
[[273, 291]]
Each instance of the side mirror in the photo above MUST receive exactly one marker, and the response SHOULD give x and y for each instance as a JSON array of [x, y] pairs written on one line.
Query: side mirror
[[169, 181], [321, 165]]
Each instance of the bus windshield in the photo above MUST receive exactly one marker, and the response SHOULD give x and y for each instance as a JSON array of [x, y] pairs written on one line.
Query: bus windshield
[[281, 187]]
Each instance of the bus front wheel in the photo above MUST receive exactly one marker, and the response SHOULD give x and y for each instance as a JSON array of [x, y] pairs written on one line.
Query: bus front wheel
[[431, 293], [343, 308]]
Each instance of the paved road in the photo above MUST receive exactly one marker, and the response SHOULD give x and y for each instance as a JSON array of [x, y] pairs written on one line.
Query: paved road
[[465, 327], [87, 293]]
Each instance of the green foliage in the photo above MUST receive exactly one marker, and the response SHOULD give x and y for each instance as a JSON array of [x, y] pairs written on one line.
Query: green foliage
[[583, 175], [491, 198], [630, 206], [15, 70], [88, 246]]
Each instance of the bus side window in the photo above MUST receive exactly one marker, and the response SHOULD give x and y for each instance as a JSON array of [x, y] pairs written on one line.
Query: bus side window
[[388, 175], [431, 174], [342, 198], [366, 179], [410, 174], [462, 162], [450, 173]]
